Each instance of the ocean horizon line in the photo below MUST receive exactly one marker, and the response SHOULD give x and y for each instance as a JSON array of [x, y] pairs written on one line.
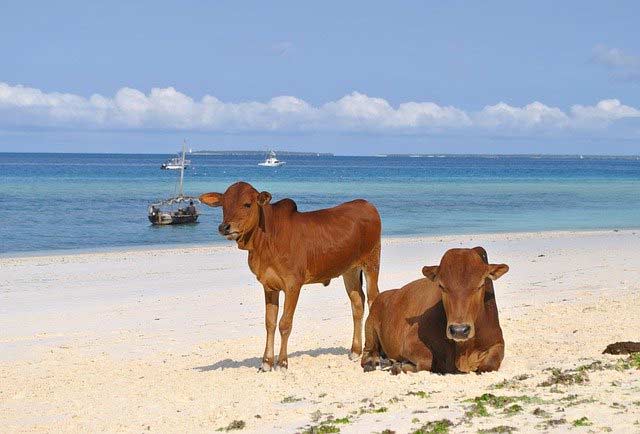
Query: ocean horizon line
[[215, 153]]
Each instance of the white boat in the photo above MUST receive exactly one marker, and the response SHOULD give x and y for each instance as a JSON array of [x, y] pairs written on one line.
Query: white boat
[[176, 163], [271, 161]]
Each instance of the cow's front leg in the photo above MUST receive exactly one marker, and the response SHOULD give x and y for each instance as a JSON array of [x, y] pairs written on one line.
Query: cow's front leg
[[270, 320], [491, 359], [290, 301]]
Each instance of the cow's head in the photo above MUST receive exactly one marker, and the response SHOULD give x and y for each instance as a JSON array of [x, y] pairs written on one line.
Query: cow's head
[[461, 278], [241, 209]]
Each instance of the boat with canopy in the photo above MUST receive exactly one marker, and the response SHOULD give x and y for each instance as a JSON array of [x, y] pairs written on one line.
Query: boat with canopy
[[179, 209]]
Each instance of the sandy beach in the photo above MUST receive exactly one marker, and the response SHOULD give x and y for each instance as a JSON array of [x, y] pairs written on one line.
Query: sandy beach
[[169, 340]]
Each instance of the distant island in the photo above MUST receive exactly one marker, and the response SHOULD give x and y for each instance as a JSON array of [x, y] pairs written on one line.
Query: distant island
[[262, 153]]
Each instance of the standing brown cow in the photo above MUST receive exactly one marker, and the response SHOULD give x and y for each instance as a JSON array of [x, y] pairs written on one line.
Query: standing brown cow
[[446, 322], [288, 249]]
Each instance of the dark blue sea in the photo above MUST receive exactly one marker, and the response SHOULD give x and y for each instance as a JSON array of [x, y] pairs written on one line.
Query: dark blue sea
[[54, 202]]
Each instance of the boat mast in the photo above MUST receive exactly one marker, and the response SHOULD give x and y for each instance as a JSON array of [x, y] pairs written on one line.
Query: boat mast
[[184, 144]]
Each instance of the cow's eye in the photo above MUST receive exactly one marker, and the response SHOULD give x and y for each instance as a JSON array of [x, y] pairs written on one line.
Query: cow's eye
[[247, 205]]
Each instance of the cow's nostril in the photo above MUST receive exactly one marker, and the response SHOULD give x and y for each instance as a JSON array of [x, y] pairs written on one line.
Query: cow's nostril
[[224, 228], [460, 330]]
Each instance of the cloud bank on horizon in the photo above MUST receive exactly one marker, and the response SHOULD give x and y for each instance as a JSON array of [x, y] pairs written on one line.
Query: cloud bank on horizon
[[168, 109]]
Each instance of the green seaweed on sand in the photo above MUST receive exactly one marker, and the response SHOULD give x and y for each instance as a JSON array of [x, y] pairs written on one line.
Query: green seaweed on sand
[[372, 409], [538, 412], [321, 429], [551, 423], [290, 399], [631, 362], [234, 425], [435, 427], [512, 383], [480, 404], [560, 377], [513, 409], [583, 421], [498, 430], [477, 409]]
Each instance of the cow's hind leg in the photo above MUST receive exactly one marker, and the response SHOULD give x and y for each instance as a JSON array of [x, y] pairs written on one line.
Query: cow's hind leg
[[371, 269], [419, 356], [400, 367], [353, 284]]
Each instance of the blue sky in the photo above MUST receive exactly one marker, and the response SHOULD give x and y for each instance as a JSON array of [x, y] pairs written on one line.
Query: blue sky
[[344, 77]]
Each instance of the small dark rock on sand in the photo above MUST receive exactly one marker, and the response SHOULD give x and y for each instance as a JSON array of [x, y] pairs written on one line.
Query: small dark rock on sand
[[622, 348]]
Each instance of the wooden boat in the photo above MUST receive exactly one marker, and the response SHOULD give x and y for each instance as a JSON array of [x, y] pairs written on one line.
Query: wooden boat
[[158, 213]]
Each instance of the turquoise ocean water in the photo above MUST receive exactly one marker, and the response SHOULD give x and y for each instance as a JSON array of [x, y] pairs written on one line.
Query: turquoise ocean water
[[53, 202]]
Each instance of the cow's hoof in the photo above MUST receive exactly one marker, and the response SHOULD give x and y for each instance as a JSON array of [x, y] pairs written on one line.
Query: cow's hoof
[[282, 366], [369, 367], [396, 369], [354, 356], [265, 367]]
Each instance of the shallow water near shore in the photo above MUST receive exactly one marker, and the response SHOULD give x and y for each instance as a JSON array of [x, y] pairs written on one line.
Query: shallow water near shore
[[53, 202]]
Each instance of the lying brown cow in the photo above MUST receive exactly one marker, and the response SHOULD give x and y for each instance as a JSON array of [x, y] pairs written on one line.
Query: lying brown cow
[[288, 249], [446, 322]]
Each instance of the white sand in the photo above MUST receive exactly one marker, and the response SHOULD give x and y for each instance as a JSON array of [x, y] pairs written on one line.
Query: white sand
[[169, 341]]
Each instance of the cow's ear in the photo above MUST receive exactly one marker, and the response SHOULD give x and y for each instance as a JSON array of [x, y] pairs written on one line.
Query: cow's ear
[[211, 199], [497, 270], [430, 271], [482, 252], [264, 198]]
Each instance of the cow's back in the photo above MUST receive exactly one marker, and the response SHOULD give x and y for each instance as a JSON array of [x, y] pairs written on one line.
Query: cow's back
[[314, 246], [334, 240]]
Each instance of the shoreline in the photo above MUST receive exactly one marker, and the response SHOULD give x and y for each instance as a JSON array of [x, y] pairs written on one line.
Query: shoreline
[[385, 238]]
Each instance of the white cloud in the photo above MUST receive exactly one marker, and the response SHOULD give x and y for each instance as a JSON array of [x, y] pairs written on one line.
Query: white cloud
[[623, 66], [169, 109], [603, 113], [532, 116]]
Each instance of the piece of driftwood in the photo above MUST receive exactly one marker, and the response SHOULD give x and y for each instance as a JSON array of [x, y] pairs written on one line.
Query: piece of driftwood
[[622, 348]]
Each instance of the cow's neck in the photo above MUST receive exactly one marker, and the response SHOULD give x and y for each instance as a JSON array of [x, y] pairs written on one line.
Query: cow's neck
[[257, 237]]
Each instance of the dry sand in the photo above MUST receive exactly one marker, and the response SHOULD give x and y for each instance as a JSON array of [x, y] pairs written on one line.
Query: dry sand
[[170, 341]]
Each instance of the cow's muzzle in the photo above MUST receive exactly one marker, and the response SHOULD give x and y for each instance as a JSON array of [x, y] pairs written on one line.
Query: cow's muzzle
[[459, 332], [227, 232], [224, 228]]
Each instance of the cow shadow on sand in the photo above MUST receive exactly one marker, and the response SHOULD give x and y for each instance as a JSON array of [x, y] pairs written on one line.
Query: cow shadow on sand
[[254, 362]]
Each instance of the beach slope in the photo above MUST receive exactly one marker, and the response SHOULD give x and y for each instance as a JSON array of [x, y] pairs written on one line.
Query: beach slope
[[170, 341]]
